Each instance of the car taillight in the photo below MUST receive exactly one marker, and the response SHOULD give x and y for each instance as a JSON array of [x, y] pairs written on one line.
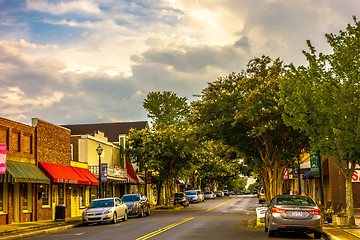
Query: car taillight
[[315, 211], [277, 210]]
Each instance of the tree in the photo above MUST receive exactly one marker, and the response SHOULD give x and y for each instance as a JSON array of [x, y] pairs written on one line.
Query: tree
[[168, 147], [322, 99], [166, 108], [242, 111], [218, 164]]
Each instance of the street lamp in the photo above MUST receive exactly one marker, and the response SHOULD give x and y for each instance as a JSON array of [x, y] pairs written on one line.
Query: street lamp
[[99, 151]]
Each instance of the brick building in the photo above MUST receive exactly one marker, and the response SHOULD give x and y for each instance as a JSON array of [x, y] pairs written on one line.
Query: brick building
[[21, 183]]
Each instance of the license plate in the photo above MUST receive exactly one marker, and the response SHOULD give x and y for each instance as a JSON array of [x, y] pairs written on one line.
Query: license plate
[[297, 214]]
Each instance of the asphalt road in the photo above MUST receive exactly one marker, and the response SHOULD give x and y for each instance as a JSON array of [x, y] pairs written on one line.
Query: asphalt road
[[223, 218]]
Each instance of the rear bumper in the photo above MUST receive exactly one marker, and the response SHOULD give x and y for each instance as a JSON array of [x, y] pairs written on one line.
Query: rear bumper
[[294, 225]]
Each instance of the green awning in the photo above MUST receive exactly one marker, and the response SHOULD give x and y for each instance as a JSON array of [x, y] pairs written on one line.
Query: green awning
[[23, 172]]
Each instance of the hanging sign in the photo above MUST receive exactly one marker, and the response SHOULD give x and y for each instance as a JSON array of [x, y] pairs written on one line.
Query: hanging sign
[[104, 172], [3, 157], [314, 162]]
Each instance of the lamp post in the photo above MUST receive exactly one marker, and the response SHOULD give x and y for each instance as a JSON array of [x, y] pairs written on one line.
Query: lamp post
[[99, 151]]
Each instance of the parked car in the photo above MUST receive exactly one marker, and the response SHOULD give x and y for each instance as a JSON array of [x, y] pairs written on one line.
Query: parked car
[[137, 204], [261, 196], [226, 193], [201, 194], [105, 210], [293, 213], [247, 191], [219, 193], [209, 195], [181, 198], [255, 191], [193, 196], [237, 192]]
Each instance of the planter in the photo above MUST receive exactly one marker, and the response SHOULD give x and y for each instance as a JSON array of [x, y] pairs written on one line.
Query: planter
[[341, 220]]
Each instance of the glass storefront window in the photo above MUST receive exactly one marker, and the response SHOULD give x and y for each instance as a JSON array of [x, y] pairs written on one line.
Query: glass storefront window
[[82, 197], [25, 196], [45, 195], [1, 197], [61, 195]]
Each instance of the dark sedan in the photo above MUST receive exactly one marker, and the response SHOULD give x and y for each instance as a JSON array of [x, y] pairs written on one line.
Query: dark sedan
[[137, 204]]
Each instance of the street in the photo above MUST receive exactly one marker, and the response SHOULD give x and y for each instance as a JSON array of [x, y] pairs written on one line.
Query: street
[[222, 218]]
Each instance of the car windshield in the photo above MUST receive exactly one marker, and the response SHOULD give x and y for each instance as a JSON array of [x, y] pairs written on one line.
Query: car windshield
[[190, 193], [299, 201], [179, 195], [217, 192], [102, 203], [207, 192], [130, 198]]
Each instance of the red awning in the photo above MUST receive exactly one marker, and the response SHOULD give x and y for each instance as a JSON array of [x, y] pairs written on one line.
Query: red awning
[[85, 173], [129, 179], [62, 174]]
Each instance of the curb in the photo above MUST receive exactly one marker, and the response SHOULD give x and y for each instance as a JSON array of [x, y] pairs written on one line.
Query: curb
[[329, 236], [40, 232]]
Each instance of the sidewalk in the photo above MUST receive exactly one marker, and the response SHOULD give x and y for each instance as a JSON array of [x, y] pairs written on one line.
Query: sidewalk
[[334, 232]]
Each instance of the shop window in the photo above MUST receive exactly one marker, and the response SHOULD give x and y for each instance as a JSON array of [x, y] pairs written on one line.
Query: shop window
[[45, 195], [82, 199], [61, 195], [1, 197], [25, 196]]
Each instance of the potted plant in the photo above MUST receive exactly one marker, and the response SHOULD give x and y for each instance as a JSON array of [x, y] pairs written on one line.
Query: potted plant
[[341, 217]]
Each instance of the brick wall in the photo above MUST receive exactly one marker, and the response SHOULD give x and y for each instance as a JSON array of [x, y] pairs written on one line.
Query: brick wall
[[53, 143], [19, 138]]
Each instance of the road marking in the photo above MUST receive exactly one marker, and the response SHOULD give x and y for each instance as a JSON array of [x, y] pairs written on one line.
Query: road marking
[[150, 235], [210, 209]]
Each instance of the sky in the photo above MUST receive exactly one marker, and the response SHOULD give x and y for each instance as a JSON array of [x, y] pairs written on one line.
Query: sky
[[94, 61]]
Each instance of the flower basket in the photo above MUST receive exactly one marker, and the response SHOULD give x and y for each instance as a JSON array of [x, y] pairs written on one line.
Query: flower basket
[[341, 220]]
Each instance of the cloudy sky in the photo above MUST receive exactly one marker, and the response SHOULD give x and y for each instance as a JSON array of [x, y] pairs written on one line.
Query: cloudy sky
[[92, 61]]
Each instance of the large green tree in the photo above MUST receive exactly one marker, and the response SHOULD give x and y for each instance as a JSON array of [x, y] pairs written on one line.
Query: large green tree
[[242, 111], [323, 100], [168, 146]]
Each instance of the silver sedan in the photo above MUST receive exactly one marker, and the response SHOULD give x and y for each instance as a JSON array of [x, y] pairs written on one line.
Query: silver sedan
[[105, 210], [293, 214]]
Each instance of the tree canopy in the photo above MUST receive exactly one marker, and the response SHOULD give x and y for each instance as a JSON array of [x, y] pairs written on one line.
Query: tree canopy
[[242, 111], [323, 100]]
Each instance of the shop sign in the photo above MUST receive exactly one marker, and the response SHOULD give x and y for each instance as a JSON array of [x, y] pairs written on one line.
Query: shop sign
[[356, 176], [314, 162], [3, 157]]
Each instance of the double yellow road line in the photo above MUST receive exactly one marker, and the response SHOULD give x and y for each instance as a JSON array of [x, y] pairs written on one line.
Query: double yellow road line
[[161, 230], [150, 235]]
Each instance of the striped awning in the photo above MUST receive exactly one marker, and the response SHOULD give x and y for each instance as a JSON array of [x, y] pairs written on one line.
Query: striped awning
[[23, 172]]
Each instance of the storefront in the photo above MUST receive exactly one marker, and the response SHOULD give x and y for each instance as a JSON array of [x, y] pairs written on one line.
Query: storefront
[[74, 184], [18, 192]]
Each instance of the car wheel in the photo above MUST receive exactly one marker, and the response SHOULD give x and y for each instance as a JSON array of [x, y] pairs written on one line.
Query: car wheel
[[85, 224], [141, 213], [125, 216], [318, 235], [271, 233], [114, 221], [148, 211]]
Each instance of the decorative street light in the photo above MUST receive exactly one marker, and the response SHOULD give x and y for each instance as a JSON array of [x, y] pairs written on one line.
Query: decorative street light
[[99, 151]]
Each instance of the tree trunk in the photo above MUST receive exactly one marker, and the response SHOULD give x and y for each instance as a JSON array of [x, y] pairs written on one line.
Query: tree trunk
[[158, 188], [348, 172]]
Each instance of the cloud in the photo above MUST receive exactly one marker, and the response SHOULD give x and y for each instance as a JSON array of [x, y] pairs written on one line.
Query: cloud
[[62, 7]]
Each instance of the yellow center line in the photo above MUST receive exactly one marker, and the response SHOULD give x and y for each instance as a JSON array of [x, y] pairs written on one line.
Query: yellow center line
[[150, 235], [210, 209]]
